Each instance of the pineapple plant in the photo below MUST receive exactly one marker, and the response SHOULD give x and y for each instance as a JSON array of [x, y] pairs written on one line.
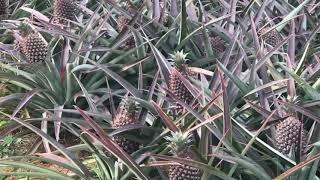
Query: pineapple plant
[[32, 45], [287, 135], [64, 10], [126, 115], [4, 9], [176, 85], [180, 147]]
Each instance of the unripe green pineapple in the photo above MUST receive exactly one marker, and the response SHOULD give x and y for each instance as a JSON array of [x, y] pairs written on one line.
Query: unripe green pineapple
[[64, 10], [4, 9], [126, 115], [288, 135], [180, 148], [176, 85]]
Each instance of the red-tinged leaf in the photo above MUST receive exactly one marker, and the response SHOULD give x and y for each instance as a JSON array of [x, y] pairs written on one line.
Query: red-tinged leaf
[[209, 120], [292, 45], [37, 14], [111, 146], [298, 167], [265, 58], [226, 110], [268, 85], [165, 119], [302, 110], [24, 100], [255, 36], [144, 111], [265, 113], [163, 63]]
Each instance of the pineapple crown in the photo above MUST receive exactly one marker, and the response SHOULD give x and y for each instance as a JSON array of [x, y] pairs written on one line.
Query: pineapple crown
[[25, 28], [179, 141], [131, 105], [179, 58], [128, 104]]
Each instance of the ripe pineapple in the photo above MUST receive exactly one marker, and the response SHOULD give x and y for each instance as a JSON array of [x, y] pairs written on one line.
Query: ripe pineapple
[[126, 115], [64, 10], [176, 86], [287, 135], [180, 148], [4, 9]]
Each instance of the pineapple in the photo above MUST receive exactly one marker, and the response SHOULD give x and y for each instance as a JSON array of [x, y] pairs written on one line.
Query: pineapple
[[64, 10], [288, 135], [126, 115], [35, 48], [4, 9], [176, 86], [123, 21], [180, 148], [272, 37], [31, 44], [217, 43]]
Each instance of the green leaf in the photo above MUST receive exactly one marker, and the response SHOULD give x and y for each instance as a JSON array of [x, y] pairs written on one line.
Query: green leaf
[[308, 89], [42, 171], [239, 83], [183, 21], [119, 79]]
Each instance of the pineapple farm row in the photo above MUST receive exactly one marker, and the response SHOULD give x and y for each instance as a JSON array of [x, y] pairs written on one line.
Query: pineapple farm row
[[159, 89]]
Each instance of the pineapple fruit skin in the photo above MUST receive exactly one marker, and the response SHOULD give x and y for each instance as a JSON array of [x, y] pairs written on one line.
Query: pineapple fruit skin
[[177, 87], [288, 135], [125, 117], [272, 37], [35, 48], [217, 43], [123, 21], [4, 9], [182, 171], [64, 10]]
